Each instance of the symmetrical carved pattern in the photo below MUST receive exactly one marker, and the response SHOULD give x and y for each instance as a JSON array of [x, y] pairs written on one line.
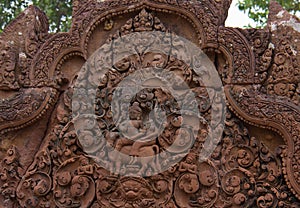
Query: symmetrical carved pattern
[[260, 73], [242, 172]]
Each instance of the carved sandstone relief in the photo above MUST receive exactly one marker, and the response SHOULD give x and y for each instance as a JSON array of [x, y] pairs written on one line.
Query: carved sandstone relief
[[64, 170]]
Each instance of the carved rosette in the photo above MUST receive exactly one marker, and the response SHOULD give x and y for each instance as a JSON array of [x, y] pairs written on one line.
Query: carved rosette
[[73, 183]]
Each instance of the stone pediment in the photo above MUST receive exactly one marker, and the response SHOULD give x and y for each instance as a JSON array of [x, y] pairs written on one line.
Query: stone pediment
[[56, 153]]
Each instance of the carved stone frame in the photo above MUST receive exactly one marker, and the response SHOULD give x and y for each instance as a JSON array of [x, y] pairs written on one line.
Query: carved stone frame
[[240, 81]]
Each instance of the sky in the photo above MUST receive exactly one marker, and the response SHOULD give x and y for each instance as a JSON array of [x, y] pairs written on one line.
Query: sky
[[237, 18]]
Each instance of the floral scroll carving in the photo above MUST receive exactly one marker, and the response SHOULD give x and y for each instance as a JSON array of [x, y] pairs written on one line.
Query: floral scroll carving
[[240, 169], [263, 111], [8, 61], [10, 176], [260, 76]]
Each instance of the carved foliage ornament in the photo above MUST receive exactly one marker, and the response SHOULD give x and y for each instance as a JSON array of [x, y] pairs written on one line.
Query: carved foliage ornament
[[241, 172]]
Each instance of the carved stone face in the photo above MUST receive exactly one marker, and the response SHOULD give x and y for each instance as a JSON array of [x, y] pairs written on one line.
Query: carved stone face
[[123, 65], [135, 112], [133, 190]]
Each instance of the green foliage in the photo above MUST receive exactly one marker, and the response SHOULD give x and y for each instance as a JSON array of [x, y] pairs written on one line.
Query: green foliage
[[258, 9], [9, 10], [59, 12]]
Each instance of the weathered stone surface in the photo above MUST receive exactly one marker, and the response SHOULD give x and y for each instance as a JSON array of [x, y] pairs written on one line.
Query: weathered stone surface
[[284, 75], [45, 162]]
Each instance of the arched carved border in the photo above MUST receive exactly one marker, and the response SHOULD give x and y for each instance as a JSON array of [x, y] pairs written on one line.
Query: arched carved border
[[43, 70], [37, 101], [248, 104], [239, 55], [283, 118], [268, 112], [153, 7], [93, 13]]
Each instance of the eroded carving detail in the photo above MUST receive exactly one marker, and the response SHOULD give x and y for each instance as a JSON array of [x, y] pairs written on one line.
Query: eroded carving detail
[[8, 63], [263, 51], [242, 172], [284, 76], [241, 69], [10, 175], [19, 44], [266, 111]]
